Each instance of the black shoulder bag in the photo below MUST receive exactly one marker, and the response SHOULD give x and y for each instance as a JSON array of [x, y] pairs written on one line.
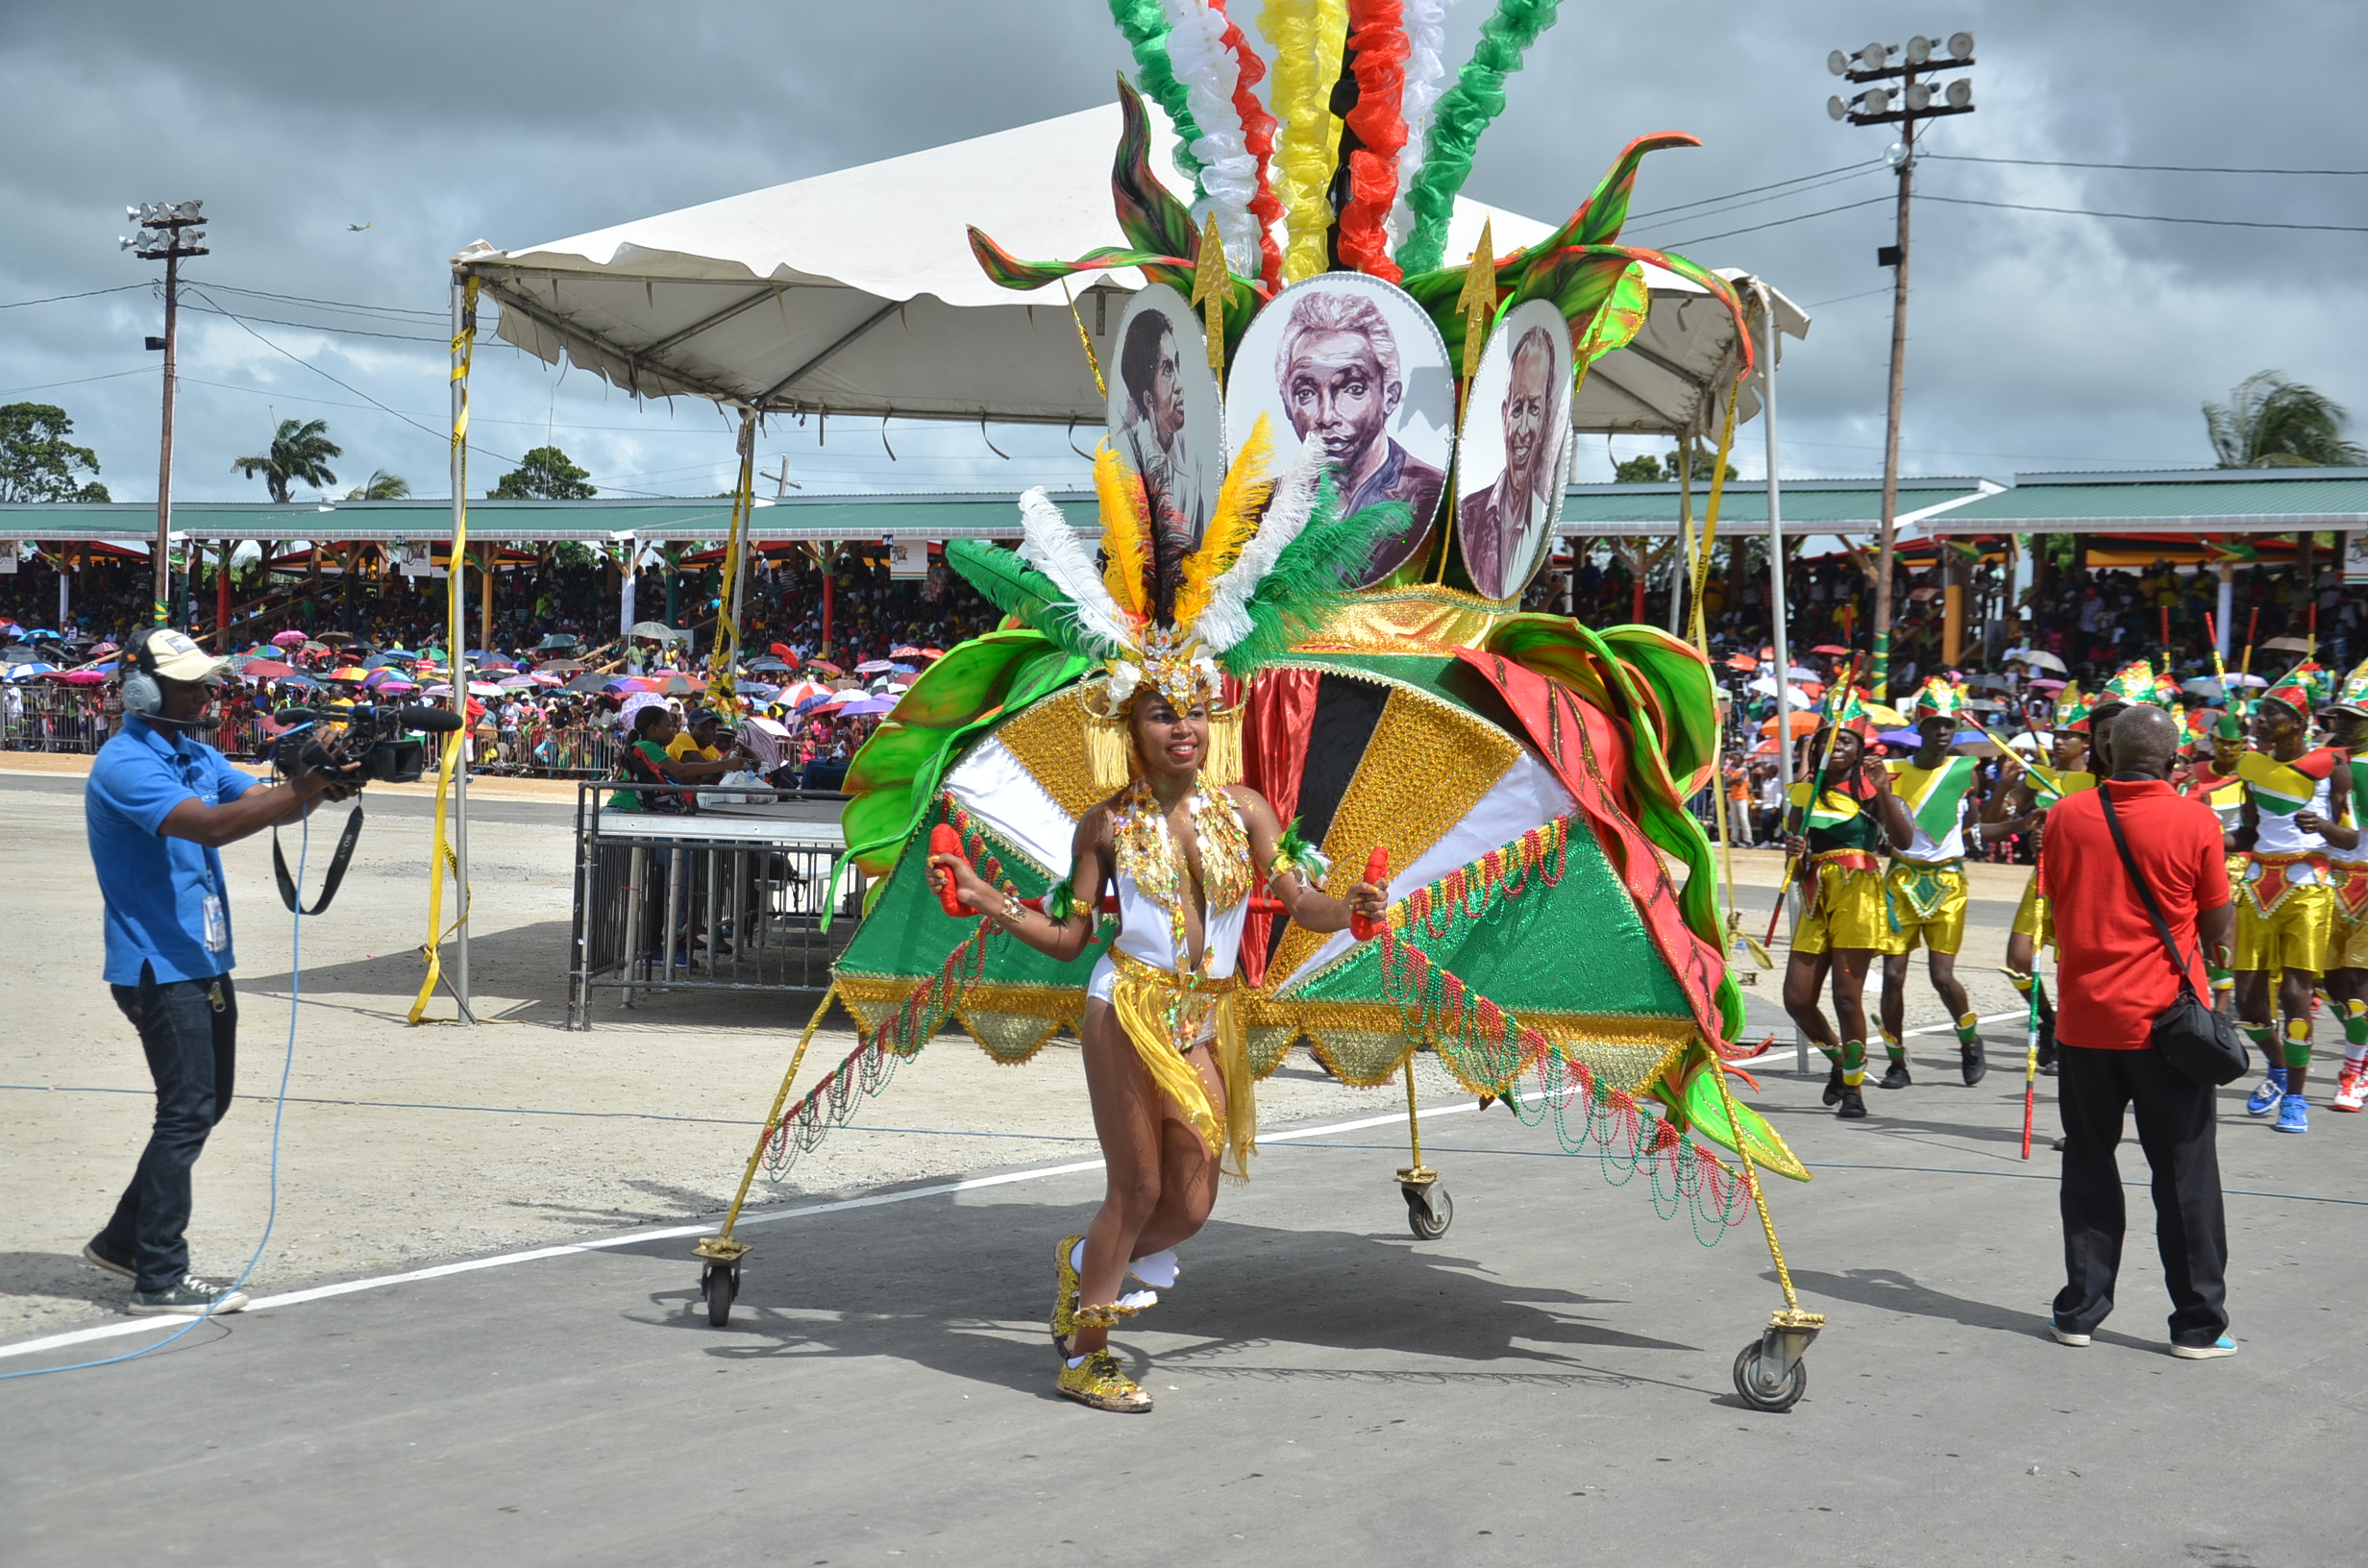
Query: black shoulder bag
[[2201, 1044]]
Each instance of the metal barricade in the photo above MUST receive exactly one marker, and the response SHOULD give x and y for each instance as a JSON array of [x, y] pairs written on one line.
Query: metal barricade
[[49, 716], [711, 900]]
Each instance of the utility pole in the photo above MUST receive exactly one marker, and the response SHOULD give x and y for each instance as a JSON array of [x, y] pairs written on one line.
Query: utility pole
[[168, 232], [1912, 102]]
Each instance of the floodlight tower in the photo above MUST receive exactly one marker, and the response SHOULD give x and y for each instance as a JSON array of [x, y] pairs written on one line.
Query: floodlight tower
[[1917, 99], [167, 232]]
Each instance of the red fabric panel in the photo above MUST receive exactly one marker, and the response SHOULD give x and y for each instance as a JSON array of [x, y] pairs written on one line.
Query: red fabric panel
[[1587, 753], [1282, 710], [2112, 974]]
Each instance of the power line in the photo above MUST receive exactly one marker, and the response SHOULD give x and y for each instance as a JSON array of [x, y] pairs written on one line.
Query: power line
[[1772, 223], [78, 381], [341, 304], [2149, 168], [86, 294], [1782, 195], [318, 327], [1754, 190], [2152, 217], [1841, 299]]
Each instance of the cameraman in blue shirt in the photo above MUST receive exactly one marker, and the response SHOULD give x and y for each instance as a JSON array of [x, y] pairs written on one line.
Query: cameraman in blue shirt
[[159, 805]]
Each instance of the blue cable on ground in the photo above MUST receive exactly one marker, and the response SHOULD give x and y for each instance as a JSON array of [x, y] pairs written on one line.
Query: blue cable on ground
[[279, 1113]]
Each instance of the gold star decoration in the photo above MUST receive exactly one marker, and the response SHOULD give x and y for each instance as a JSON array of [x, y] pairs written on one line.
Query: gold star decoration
[[1212, 289]]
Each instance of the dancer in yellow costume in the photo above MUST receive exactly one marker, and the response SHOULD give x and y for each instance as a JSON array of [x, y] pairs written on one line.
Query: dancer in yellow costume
[[1925, 889], [2216, 784], [2346, 977], [1180, 845], [1836, 843], [2019, 805], [2284, 922]]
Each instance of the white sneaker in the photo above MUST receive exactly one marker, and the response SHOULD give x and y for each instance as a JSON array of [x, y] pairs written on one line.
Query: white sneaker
[[2352, 1087]]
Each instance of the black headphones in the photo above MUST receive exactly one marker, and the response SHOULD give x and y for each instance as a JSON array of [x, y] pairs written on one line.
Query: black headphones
[[141, 694]]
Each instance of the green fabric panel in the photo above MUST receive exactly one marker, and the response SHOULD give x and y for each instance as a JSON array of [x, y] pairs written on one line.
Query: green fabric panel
[[889, 757], [968, 681], [1682, 681], [909, 934], [1508, 957]]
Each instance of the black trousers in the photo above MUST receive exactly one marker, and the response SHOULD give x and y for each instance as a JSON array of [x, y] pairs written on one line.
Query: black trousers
[[2177, 1128], [189, 1031]]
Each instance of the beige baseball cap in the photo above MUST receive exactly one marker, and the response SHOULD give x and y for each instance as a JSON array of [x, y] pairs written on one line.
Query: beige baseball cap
[[176, 656]]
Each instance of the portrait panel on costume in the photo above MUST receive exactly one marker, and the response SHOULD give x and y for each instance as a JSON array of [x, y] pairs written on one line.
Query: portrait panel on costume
[[1515, 441], [1166, 421], [1353, 363]]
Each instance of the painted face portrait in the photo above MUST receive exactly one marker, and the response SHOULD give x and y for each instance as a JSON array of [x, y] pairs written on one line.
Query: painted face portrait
[[1359, 373], [1166, 421], [1514, 444]]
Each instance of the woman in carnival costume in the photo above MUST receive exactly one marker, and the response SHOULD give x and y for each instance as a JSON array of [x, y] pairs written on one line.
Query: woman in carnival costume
[[1181, 843], [1841, 822]]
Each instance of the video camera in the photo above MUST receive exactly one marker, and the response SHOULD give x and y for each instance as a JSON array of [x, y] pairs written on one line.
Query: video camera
[[375, 747]]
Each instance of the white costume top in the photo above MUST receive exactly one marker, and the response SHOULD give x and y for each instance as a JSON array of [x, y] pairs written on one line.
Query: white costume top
[[1146, 933], [2277, 834]]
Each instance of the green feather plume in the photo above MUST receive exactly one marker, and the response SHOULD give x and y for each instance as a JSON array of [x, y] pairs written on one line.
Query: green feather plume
[[1309, 580], [1016, 588]]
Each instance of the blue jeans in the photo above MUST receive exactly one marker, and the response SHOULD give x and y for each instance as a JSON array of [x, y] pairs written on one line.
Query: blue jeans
[[189, 1031]]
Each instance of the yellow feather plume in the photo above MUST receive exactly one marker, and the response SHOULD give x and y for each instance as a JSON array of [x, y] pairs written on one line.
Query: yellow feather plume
[[1240, 501], [1126, 531]]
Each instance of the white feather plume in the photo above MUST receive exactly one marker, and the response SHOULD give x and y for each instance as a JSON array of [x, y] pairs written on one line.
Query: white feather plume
[[1426, 79], [1196, 53], [1050, 545], [1227, 620]]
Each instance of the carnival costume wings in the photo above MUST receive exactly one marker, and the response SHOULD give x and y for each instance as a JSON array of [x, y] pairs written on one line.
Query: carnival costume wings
[[1525, 774]]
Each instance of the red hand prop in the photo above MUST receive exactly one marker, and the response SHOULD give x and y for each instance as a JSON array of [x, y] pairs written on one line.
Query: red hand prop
[[945, 841], [1377, 872]]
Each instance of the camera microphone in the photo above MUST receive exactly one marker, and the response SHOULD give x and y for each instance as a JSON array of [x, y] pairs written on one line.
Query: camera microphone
[[419, 715]]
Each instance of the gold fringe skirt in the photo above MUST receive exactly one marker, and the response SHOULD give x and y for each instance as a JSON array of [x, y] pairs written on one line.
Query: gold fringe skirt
[[1165, 1015]]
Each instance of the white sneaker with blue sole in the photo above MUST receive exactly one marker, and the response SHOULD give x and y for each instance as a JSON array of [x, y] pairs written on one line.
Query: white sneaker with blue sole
[[2222, 1346]]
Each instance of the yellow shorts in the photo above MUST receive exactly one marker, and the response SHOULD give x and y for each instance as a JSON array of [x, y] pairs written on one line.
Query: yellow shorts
[[1927, 907], [2348, 933], [2030, 916], [1848, 912], [2295, 934]]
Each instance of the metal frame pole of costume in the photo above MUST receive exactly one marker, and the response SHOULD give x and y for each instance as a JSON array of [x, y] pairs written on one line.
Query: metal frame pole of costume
[[1777, 611]]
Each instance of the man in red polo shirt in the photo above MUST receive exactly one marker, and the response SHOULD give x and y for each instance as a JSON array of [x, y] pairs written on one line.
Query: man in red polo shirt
[[2114, 978]]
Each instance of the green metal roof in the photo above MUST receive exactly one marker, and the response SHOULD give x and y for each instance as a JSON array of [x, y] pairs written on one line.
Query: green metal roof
[[945, 516], [1810, 506], [2205, 500]]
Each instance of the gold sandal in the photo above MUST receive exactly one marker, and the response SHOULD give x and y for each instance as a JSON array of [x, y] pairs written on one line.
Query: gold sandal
[[1097, 1381], [1065, 1296]]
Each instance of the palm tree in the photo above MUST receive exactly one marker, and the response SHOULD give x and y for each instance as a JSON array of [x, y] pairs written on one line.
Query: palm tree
[[300, 453], [2273, 422], [382, 486]]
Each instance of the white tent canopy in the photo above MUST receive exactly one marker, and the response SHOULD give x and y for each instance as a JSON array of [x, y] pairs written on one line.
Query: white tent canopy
[[855, 293]]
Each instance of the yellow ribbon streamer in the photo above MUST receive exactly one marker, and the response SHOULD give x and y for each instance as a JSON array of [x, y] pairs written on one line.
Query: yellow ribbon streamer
[[440, 855], [1307, 37], [724, 655]]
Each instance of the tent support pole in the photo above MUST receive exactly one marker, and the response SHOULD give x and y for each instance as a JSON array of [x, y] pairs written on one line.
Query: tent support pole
[[1777, 610], [455, 633]]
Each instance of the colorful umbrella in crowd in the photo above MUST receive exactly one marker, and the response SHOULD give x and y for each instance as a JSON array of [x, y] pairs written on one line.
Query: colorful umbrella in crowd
[[290, 639], [351, 672]]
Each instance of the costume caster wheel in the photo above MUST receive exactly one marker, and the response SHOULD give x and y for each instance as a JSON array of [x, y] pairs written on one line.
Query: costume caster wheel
[[1764, 1382], [1429, 1210], [719, 1282]]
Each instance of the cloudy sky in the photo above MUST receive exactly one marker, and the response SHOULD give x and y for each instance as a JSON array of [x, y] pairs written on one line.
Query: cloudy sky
[[2040, 341]]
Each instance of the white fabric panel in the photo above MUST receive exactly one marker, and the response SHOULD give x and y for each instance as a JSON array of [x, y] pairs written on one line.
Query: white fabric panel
[[1006, 797], [1529, 796]]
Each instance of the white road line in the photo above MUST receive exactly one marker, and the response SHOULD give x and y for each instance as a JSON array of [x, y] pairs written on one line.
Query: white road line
[[1927, 1029], [671, 1233]]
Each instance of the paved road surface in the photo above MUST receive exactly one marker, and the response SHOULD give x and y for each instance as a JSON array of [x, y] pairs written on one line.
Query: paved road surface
[[1549, 1383]]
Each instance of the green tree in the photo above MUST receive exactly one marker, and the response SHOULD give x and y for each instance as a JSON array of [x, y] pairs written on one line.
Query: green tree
[[1645, 470], [2271, 421], [37, 460], [381, 485], [544, 474], [300, 453]]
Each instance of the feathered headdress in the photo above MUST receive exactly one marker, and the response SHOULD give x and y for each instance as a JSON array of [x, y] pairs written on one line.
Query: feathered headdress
[[1943, 697], [2302, 688], [2137, 682], [2352, 696], [1159, 612]]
